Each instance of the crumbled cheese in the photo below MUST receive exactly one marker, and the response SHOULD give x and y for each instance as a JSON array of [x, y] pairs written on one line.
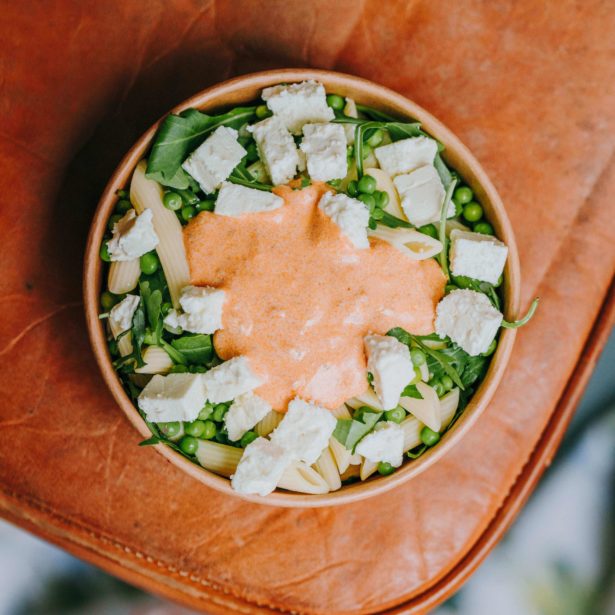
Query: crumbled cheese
[[477, 256], [277, 149], [325, 148], [298, 103], [260, 468], [133, 236], [175, 397], [406, 155], [351, 215], [245, 412], [236, 200], [121, 314], [388, 361], [421, 193], [384, 443], [202, 310], [214, 160], [229, 380], [304, 431], [469, 319]]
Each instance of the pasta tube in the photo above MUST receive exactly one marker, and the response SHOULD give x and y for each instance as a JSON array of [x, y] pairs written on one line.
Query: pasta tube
[[219, 458], [340, 453], [413, 244], [301, 478], [385, 184], [124, 344], [326, 467], [147, 194], [265, 426], [157, 361], [367, 468], [123, 276]]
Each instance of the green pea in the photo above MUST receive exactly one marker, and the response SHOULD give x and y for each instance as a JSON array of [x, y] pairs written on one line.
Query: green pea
[[353, 188], [397, 415], [170, 429], [206, 205], [336, 102], [437, 387], [473, 212], [447, 382], [458, 209], [429, 437], [367, 150], [491, 349], [484, 228], [463, 195], [252, 152], [188, 213], [385, 468], [418, 357], [104, 252], [149, 263], [196, 428], [247, 437], [369, 200], [377, 214], [123, 205], [430, 230], [113, 220], [179, 369], [382, 198], [376, 138], [262, 111], [206, 412], [367, 184], [189, 445], [172, 201], [209, 431], [219, 412], [107, 300]]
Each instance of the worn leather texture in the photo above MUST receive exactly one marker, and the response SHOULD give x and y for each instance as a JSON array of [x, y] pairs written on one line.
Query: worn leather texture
[[526, 85]]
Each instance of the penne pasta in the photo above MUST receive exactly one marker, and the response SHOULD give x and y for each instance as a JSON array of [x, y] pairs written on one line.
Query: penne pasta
[[157, 361], [325, 465], [301, 478], [341, 454], [352, 472], [367, 469], [124, 344], [413, 244], [368, 398], [147, 194], [219, 458], [427, 410], [123, 276], [384, 183], [412, 432], [269, 423], [448, 406]]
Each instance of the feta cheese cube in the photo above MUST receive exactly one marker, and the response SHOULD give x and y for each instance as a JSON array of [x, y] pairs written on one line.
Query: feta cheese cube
[[304, 431], [384, 443], [277, 149], [214, 160], [229, 380], [133, 236], [388, 361], [236, 200], [120, 316], [351, 215], [469, 319], [260, 468], [406, 155], [421, 193], [325, 148], [477, 256], [175, 397], [202, 310], [298, 103], [245, 412]]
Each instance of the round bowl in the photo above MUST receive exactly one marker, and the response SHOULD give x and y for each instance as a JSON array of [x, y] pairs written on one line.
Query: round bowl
[[239, 91]]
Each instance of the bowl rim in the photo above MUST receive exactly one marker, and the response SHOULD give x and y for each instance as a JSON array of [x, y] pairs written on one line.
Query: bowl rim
[[233, 92]]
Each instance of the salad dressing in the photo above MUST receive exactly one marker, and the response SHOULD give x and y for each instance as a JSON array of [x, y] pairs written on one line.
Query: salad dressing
[[301, 298]]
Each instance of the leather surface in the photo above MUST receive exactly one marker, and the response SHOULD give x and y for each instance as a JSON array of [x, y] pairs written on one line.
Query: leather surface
[[525, 85]]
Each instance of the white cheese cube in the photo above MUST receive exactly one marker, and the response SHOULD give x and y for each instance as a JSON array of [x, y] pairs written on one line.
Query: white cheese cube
[[351, 215], [304, 431], [214, 160], [406, 155], [202, 310], [235, 200], [384, 443], [388, 361], [245, 412], [325, 148], [133, 236], [260, 468], [477, 256], [469, 319], [421, 193], [121, 314], [298, 103], [229, 380], [277, 149], [175, 397]]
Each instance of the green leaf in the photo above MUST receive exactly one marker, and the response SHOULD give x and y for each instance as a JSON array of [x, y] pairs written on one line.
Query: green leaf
[[393, 222], [179, 135], [482, 287], [196, 349], [417, 451], [150, 441], [443, 256], [176, 356], [243, 177], [404, 130], [153, 304], [523, 321], [138, 333], [350, 431]]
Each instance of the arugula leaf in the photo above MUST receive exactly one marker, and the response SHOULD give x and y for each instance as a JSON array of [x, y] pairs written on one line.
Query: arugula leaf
[[138, 333], [178, 135], [350, 431], [443, 256], [374, 114], [196, 349], [417, 451], [243, 177], [176, 356], [522, 321], [151, 441], [153, 305], [393, 222], [404, 130], [482, 287]]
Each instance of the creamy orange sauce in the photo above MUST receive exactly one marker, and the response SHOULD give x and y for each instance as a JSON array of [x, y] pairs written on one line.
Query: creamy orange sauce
[[301, 297]]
